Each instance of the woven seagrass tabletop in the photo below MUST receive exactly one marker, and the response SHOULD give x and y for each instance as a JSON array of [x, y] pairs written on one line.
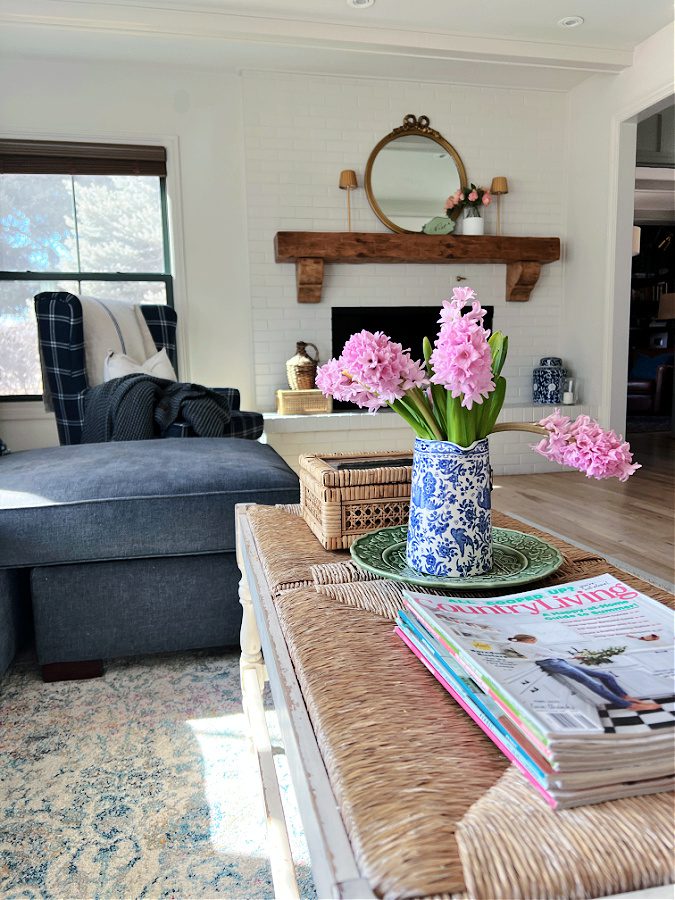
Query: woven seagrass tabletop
[[431, 807]]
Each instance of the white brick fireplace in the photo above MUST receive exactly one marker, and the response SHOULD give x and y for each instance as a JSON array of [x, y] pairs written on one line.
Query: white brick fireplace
[[299, 132]]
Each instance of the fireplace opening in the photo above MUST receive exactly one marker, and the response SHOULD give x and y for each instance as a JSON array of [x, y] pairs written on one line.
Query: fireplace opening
[[407, 325]]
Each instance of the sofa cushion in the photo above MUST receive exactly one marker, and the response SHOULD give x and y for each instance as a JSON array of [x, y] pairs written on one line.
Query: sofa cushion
[[133, 499]]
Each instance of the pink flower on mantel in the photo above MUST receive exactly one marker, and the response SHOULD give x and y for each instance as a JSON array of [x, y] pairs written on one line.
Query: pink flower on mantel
[[450, 203], [585, 446], [371, 371], [473, 196], [487, 198], [461, 359]]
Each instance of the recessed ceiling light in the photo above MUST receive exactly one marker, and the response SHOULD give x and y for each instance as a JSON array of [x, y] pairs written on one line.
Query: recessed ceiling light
[[360, 4], [570, 21]]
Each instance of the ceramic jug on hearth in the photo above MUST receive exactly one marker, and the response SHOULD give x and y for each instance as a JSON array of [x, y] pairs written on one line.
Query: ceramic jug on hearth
[[301, 368], [548, 379]]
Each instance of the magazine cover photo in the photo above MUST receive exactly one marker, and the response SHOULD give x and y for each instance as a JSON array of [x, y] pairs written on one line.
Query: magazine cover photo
[[593, 656]]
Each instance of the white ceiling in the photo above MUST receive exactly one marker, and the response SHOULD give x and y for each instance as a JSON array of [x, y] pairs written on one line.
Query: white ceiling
[[617, 24], [496, 42]]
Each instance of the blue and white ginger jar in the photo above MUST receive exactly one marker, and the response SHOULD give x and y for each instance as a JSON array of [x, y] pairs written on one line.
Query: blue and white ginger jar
[[548, 381], [450, 528]]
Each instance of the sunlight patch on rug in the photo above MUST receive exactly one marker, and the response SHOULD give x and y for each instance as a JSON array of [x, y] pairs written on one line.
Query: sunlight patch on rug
[[139, 784]]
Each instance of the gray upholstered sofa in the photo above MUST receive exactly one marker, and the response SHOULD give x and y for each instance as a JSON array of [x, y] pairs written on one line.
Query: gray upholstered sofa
[[129, 545]]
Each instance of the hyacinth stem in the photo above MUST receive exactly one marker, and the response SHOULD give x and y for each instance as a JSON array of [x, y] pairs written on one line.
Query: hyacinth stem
[[519, 426], [404, 412], [421, 404]]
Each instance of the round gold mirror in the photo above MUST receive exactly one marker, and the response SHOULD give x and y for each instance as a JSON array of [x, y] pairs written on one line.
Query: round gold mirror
[[410, 173]]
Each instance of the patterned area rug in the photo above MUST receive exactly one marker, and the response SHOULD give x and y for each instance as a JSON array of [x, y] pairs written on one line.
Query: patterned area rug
[[139, 784]]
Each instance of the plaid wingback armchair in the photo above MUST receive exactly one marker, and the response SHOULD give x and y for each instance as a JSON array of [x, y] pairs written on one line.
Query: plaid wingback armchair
[[61, 340]]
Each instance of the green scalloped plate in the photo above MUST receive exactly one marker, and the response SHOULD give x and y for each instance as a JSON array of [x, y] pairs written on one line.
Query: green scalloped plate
[[518, 559]]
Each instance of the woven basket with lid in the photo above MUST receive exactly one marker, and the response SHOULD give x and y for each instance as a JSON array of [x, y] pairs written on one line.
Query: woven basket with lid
[[344, 495], [301, 368]]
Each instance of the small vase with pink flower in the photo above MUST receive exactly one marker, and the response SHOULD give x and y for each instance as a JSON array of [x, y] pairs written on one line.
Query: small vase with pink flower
[[472, 200]]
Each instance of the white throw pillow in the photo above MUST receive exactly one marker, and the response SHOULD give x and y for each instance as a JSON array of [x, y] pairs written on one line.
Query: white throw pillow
[[113, 325], [117, 364]]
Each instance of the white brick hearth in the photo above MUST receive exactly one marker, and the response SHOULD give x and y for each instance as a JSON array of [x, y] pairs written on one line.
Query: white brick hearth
[[510, 452]]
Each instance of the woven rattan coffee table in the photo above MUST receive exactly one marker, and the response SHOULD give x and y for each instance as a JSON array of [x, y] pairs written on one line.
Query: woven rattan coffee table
[[400, 794]]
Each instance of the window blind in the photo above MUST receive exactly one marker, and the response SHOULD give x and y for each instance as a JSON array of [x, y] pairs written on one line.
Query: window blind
[[70, 158]]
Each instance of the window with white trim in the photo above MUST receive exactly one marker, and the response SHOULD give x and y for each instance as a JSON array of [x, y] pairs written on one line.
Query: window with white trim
[[90, 219]]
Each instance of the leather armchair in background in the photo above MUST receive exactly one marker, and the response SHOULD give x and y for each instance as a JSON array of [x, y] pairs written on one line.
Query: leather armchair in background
[[650, 383]]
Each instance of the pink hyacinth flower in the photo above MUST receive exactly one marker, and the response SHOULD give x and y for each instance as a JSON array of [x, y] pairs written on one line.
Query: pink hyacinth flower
[[487, 198], [461, 359], [585, 446], [371, 372], [473, 196]]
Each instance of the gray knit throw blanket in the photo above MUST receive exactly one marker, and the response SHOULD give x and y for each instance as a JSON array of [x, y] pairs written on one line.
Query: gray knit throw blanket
[[139, 407]]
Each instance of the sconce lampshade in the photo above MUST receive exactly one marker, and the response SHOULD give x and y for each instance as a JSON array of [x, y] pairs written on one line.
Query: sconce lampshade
[[636, 239], [348, 180], [499, 186], [666, 306]]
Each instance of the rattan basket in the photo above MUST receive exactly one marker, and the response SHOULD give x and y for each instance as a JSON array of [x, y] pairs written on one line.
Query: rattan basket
[[345, 495], [298, 403]]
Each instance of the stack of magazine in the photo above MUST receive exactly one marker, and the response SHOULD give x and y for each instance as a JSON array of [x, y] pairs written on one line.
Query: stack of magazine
[[573, 683]]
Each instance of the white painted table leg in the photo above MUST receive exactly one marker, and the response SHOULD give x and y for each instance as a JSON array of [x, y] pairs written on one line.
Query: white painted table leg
[[281, 858], [251, 655], [253, 676]]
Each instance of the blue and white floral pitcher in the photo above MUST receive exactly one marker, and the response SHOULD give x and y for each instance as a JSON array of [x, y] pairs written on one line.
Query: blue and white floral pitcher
[[450, 529]]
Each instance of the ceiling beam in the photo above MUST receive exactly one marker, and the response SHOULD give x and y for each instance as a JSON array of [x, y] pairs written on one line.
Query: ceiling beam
[[127, 17]]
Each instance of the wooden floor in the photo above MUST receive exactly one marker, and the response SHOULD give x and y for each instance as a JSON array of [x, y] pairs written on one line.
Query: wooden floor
[[633, 522]]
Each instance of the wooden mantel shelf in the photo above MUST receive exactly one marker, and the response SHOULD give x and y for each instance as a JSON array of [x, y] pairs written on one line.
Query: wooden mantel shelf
[[310, 250]]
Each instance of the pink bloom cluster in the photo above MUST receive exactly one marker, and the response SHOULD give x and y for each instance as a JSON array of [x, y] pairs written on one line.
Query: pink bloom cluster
[[461, 359], [468, 198], [455, 200], [585, 446], [371, 372]]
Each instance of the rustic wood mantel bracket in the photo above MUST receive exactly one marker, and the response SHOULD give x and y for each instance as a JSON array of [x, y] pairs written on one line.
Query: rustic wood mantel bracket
[[309, 279], [310, 250]]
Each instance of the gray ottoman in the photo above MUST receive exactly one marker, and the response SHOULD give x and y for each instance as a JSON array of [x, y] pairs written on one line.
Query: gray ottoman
[[131, 544], [10, 616]]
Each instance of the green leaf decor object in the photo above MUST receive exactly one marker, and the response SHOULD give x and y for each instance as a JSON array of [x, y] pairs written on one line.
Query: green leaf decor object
[[439, 225]]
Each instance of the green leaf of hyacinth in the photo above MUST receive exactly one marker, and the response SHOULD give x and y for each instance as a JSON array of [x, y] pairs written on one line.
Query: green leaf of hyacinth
[[458, 425], [420, 428], [496, 401], [470, 423], [427, 350], [440, 404], [499, 346]]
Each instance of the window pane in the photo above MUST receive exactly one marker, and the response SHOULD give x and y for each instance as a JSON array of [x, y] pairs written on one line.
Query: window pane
[[19, 355], [119, 223], [37, 227], [131, 291]]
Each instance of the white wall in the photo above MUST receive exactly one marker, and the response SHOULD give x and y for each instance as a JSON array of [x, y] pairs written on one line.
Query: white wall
[[300, 132], [199, 114], [602, 115], [259, 153]]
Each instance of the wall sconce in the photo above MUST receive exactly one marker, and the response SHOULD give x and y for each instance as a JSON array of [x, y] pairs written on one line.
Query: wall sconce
[[498, 187], [636, 239], [348, 183]]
